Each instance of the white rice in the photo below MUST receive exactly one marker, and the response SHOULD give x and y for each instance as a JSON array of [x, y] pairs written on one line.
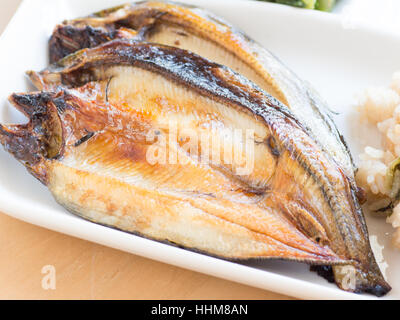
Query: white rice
[[381, 107]]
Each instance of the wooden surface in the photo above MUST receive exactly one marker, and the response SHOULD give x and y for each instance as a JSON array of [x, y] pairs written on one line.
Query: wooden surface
[[89, 271]]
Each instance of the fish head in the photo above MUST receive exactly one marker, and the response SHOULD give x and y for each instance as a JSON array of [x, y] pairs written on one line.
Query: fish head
[[53, 129], [38, 140]]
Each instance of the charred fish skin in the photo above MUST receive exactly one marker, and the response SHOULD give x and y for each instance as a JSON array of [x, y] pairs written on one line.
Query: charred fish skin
[[306, 188], [68, 39]]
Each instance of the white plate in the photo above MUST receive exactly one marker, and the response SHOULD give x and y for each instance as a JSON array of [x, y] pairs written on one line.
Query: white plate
[[337, 61]]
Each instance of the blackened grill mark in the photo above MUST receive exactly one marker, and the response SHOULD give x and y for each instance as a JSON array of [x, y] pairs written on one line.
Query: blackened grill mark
[[181, 33], [145, 32], [60, 104], [361, 195], [346, 146], [107, 87], [84, 139], [273, 146]]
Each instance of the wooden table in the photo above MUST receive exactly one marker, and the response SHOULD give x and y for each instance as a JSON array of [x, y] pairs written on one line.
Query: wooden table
[[86, 270]]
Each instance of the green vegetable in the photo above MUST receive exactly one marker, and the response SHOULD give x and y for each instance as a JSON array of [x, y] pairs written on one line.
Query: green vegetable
[[385, 207], [393, 179], [323, 5]]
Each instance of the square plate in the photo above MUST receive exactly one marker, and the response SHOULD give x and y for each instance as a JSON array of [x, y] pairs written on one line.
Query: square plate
[[338, 61]]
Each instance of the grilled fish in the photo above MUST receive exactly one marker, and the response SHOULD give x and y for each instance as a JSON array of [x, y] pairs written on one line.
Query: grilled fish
[[212, 37], [100, 137]]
